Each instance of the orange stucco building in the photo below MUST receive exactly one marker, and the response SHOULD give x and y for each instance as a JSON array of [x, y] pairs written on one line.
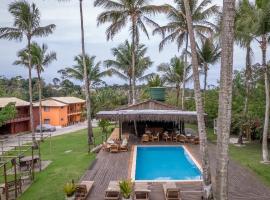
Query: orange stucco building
[[60, 111]]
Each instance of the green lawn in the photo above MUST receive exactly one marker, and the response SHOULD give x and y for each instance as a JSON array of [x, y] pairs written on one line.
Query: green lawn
[[248, 156], [49, 183]]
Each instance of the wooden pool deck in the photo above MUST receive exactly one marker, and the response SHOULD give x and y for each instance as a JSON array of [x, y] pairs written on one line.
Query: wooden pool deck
[[243, 184]]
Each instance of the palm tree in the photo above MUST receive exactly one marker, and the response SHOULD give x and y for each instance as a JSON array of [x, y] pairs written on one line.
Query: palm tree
[[26, 24], [177, 30], [199, 106], [118, 13], [225, 98], [41, 59], [86, 79], [243, 37], [173, 73], [76, 72], [208, 54], [262, 30], [122, 65], [155, 81]]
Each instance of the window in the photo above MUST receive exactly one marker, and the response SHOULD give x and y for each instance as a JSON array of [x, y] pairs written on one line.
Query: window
[[46, 109], [46, 121]]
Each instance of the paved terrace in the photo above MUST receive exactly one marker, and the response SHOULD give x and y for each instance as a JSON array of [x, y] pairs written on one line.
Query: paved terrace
[[243, 184]]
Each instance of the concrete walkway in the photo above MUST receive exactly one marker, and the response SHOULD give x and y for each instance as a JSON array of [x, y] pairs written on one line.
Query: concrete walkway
[[13, 140]]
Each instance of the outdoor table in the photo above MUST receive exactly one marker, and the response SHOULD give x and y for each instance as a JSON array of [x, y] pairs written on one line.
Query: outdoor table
[[27, 161]]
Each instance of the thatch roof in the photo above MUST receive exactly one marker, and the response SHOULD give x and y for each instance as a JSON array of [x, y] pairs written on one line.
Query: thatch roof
[[18, 102], [149, 110], [149, 104], [148, 115]]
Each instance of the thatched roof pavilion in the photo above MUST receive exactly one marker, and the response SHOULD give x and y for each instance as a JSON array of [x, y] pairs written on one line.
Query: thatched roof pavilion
[[147, 113]]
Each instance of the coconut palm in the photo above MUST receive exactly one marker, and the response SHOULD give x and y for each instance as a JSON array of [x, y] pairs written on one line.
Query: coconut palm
[[122, 64], [76, 72], [26, 24], [119, 13], [177, 30], [262, 29], [173, 74], [208, 54], [199, 105], [225, 99], [243, 37], [40, 59], [86, 78], [155, 81]]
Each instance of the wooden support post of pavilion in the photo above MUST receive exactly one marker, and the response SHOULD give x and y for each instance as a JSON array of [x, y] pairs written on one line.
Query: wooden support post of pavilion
[[120, 129]]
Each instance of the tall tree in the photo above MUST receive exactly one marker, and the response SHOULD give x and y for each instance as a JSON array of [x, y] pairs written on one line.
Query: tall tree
[[122, 64], [177, 29], [173, 73], [86, 78], [26, 24], [199, 106], [208, 54], [40, 59], [262, 30], [94, 72], [225, 98], [119, 13], [244, 36]]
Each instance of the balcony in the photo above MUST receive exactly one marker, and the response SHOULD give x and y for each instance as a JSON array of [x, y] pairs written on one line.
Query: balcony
[[75, 112], [19, 118]]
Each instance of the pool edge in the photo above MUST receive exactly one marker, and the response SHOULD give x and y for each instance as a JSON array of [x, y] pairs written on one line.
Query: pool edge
[[134, 160]]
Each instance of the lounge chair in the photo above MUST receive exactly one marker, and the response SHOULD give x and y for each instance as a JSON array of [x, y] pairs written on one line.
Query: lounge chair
[[166, 136], [83, 189], [196, 140], [171, 192], [106, 146], [145, 138], [113, 191], [141, 191], [114, 148], [175, 137], [182, 138], [124, 145], [155, 137]]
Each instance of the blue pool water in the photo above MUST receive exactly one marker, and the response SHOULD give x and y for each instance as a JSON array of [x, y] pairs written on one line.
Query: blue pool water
[[165, 163]]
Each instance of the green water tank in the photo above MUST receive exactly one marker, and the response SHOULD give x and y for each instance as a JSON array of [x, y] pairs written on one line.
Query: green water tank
[[157, 93]]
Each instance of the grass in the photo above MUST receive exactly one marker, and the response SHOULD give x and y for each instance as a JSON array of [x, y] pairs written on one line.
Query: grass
[[49, 183], [248, 156], [210, 132]]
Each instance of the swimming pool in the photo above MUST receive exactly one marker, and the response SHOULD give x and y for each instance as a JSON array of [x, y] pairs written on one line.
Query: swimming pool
[[164, 163]]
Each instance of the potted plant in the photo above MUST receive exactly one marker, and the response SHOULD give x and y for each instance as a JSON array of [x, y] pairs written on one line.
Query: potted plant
[[69, 190], [126, 189]]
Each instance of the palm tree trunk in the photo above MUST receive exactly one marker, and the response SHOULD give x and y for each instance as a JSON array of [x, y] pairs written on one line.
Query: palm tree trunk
[[130, 91], [205, 82], [133, 59], [184, 76], [40, 102], [265, 156], [225, 99], [199, 108], [247, 79], [177, 94], [86, 83], [30, 90]]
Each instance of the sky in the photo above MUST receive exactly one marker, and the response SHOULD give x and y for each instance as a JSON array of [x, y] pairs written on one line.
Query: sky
[[65, 40]]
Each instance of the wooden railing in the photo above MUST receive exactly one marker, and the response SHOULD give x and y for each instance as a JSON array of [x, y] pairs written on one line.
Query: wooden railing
[[18, 118]]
